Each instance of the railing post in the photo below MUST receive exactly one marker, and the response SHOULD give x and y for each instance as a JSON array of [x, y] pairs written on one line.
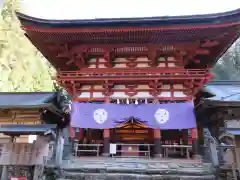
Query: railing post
[[157, 143]]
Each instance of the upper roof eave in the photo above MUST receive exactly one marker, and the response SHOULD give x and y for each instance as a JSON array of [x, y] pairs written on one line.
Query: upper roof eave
[[216, 18]]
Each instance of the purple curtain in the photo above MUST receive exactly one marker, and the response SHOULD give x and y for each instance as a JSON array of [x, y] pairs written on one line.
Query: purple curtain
[[159, 116]]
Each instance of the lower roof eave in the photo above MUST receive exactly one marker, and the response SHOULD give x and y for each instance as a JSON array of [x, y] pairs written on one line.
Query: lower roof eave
[[37, 106], [19, 129], [220, 103]]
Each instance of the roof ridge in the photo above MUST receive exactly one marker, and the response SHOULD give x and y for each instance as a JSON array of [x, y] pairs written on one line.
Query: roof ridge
[[210, 15], [99, 21]]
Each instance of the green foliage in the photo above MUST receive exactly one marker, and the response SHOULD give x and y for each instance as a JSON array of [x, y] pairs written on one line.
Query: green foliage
[[51, 174], [22, 67], [228, 67]]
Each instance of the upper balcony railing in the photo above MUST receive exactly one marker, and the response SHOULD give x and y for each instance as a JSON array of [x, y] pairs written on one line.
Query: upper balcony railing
[[143, 73]]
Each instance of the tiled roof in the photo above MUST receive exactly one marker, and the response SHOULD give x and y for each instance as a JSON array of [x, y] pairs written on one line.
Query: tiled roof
[[26, 100], [136, 22], [26, 129], [224, 90]]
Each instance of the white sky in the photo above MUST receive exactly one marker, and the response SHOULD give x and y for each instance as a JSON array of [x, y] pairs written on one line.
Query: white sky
[[90, 9]]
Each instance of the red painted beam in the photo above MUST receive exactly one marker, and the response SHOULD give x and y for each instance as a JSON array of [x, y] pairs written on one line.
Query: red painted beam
[[79, 99]]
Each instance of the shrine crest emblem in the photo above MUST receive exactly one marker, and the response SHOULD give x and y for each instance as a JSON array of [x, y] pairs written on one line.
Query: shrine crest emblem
[[100, 116], [162, 116]]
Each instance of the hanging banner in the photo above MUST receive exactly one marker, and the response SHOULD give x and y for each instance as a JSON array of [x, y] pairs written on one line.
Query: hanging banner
[[159, 116]]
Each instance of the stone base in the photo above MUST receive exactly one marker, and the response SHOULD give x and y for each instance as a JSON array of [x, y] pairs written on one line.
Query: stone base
[[137, 176], [158, 155], [105, 154], [197, 157]]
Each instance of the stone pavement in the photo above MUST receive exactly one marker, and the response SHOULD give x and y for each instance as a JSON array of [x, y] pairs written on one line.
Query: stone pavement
[[135, 168]]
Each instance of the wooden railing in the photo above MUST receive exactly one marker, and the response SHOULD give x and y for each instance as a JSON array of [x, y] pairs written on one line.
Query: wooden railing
[[184, 149], [86, 148], [129, 72], [132, 153]]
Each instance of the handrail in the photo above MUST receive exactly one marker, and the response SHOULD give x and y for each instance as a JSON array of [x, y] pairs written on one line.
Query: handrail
[[176, 146], [77, 145], [101, 70], [121, 144], [149, 72], [167, 146]]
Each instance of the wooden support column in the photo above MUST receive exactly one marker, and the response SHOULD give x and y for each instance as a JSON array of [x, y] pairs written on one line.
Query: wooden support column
[[195, 143], [185, 136], [106, 139], [157, 143]]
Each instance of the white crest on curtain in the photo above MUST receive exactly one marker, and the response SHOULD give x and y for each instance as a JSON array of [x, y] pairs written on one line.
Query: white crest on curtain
[[100, 116], [162, 116]]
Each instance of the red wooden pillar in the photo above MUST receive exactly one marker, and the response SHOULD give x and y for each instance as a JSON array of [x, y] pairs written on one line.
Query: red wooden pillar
[[106, 139], [71, 132], [157, 143], [195, 143], [106, 136], [78, 134]]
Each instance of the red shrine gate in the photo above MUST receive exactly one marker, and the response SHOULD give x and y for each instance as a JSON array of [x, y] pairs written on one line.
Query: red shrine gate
[[134, 61]]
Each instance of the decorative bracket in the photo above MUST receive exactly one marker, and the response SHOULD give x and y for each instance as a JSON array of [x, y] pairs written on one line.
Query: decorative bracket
[[131, 90], [78, 55], [152, 55], [155, 87], [107, 88], [132, 62], [108, 57]]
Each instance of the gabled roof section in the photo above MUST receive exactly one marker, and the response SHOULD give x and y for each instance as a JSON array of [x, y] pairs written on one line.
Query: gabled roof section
[[217, 18], [26, 100]]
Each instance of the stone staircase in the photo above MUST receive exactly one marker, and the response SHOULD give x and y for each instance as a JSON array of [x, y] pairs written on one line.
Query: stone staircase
[[135, 169]]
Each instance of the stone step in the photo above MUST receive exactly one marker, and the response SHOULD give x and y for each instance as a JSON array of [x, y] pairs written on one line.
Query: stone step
[[133, 176], [115, 169], [152, 171]]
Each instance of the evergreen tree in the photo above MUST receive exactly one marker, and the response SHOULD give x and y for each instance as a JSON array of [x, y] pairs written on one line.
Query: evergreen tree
[[228, 66], [22, 67]]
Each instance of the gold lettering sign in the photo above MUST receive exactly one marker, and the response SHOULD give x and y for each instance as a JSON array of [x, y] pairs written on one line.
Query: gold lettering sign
[[131, 131]]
